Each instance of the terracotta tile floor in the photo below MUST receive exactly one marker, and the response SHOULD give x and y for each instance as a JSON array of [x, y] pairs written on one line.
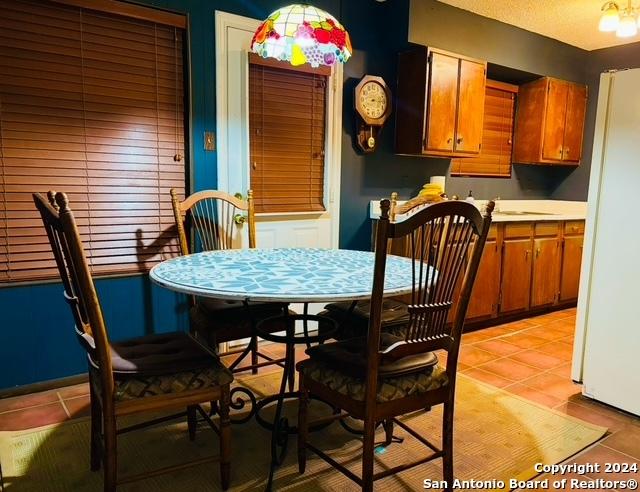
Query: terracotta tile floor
[[530, 358]]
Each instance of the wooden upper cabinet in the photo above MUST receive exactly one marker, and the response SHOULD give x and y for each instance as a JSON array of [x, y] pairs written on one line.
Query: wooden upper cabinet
[[554, 122], [470, 115], [550, 122], [497, 134], [574, 129], [440, 101]]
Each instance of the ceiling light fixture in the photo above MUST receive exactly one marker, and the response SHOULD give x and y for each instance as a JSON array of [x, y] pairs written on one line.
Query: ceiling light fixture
[[624, 22], [300, 34]]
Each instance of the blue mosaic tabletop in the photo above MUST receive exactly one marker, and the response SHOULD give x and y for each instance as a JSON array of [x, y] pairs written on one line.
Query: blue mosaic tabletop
[[288, 274]]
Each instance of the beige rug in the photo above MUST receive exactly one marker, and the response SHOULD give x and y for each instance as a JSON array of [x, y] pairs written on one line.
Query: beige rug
[[498, 436]]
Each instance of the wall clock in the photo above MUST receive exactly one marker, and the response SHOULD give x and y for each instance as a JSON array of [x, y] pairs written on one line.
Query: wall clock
[[372, 102]]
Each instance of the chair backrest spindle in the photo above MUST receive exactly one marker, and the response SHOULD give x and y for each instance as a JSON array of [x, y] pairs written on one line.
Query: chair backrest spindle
[[79, 289], [212, 218], [445, 242]]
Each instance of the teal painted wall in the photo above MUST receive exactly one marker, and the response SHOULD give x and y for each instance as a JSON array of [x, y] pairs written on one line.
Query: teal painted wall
[[36, 331], [37, 340]]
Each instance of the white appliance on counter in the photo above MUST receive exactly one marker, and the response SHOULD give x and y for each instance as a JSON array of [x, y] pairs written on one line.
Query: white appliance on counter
[[606, 354]]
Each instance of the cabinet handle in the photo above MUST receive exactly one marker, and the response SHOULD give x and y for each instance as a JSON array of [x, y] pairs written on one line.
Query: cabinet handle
[[537, 252], [566, 151], [526, 254], [459, 140], [560, 151], [449, 140]]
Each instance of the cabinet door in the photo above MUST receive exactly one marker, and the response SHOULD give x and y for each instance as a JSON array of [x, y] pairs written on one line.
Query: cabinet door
[[470, 111], [441, 106], [516, 275], [554, 122], [574, 126], [486, 289], [571, 261], [546, 261]]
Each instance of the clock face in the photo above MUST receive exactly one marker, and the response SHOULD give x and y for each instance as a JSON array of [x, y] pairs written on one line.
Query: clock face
[[373, 99]]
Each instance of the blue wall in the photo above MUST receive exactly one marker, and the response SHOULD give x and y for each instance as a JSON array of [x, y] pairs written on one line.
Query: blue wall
[[36, 332], [37, 340]]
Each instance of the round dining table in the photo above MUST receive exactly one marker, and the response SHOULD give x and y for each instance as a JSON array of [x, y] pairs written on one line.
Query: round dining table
[[283, 275]]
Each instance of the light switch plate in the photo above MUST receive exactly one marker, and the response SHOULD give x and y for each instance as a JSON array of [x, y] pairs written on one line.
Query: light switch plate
[[209, 141]]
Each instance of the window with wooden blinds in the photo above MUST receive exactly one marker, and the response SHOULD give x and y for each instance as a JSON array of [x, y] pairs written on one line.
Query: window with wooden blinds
[[497, 134], [91, 104], [287, 120]]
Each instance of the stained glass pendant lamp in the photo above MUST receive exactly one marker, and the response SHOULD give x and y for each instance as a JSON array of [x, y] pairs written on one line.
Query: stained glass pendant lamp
[[300, 34]]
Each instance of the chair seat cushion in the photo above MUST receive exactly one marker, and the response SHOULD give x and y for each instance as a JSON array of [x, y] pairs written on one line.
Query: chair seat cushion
[[221, 321], [163, 363], [394, 317], [389, 388], [140, 386], [350, 357]]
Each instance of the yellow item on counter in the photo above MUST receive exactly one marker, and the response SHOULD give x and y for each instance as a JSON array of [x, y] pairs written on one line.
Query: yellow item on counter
[[432, 188]]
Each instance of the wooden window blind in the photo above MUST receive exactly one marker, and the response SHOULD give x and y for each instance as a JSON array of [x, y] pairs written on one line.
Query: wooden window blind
[[497, 134], [91, 104], [287, 120]]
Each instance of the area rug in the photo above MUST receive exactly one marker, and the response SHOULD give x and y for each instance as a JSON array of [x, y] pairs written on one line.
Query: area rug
[[498, 436]]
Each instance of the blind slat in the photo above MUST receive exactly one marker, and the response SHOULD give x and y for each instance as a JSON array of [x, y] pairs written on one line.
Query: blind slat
[[497, 134], [287, 118], [91, 104]]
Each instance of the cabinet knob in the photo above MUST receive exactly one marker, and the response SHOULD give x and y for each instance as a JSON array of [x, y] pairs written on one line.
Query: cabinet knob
[[459, 140], [449, 140], [560, 151], [566, 151]]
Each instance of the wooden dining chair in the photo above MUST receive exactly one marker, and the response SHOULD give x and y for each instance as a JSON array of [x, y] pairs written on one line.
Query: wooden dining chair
[[378, 377], [353, 317], [209, 220], [147, 374]]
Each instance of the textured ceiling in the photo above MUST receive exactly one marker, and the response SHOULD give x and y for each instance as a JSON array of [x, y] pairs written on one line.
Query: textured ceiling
[[571, 21]]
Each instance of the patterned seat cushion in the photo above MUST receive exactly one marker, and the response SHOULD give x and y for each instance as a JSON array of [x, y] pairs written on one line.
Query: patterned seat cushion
[[342, 367], [219, 321], [389, 388], [394, 318], [141, 386], [351, 357], [161, 364]]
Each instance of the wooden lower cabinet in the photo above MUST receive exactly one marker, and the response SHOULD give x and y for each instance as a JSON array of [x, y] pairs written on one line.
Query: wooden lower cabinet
[[571, 262], [525, 266], [486, 289], [546, 271], [515, 285]]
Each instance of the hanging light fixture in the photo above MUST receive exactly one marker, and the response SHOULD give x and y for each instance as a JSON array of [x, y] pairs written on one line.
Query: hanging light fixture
[[302, 34], [610, 17], [624, 22], [627, 27]]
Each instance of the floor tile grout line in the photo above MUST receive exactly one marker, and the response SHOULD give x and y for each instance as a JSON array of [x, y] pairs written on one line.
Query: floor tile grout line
[[28, 407], [602, 443], [66, 410]]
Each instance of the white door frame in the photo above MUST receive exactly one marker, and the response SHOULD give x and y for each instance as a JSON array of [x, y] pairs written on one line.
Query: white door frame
[[240, 157]]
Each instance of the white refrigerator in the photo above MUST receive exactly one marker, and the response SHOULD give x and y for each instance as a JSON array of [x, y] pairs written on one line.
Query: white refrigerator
[[607, 343]]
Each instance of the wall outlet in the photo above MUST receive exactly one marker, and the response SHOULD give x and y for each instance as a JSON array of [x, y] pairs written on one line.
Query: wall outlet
[[209, 141]]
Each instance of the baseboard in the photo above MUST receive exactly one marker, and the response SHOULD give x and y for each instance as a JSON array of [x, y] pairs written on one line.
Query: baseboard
[[44, 386]]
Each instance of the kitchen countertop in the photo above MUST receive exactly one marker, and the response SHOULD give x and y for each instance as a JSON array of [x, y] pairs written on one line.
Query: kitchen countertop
[[549, 210]]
